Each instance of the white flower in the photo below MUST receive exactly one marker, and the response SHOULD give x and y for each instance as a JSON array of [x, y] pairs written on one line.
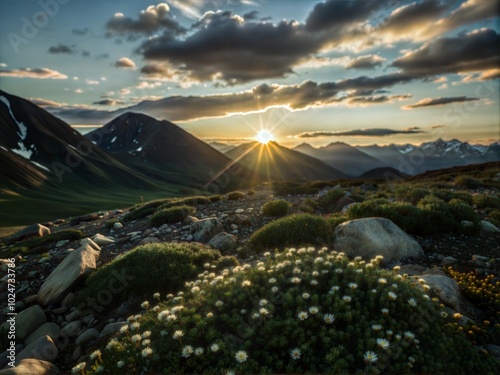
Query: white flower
[[241, 356], [328, 318], [409, 335], [156, 295], [210, 315], [95, 354], [313, 310], [389, 332], [334, 289], [246, 283], [124, 329], [314, 282], [295, 280], [306, 295], [120, 364], [383, 343], [394, 286], [339, 270], [136, 338], [195, 289], [214, 347], [302, 315], [198, 351], [111, 344], [392, 296], [444, 314], [171, 317], [187, 351], [255, 316], [135, 326], [296, 271], [219, 303], [295, 353], [346, 299], [370, 357], [79, 367], [263, 302], [267, 253], [230, 372], [382, 280], [156, 308], [274, 289], [178, 334], [385, 311], [263, 311], [145, 304], [353, 285], [412, 302], [146, 334]]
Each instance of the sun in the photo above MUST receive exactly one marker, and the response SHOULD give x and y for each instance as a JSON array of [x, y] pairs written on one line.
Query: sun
[[264, 137]]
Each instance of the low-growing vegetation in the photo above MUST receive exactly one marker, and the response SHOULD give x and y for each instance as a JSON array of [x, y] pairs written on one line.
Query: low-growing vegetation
[[172, 215], [162, 267], [235, 195], [300, 311], [276, 208], [298, 228]]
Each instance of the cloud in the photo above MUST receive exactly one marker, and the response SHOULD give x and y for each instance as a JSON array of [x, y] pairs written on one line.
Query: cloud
[[40, 73], [151, 20], [377, 99], [473, 51], [108, 102], [438, 126], [365, 62], [375, 132], [434, 102], [81, 32], [45, 102], [125, 62], [61, 49]]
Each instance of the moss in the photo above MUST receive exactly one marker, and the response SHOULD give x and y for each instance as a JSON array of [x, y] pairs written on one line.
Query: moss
[[276, 208]]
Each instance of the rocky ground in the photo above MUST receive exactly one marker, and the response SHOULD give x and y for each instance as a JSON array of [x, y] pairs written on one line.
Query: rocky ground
[[240, 218]]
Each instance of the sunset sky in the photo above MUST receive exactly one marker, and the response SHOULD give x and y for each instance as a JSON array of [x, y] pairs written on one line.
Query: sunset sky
[[359, 71]]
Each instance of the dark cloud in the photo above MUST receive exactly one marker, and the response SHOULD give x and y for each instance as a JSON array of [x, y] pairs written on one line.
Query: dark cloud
[[334, 15], [61, 49], [377, 99], [434, 102], [149, 21], [81, 32], [468, 12], [474, 51], [375, 132], [85, 54], [108, 102], [250, 16], [365, 62], [413, 16]]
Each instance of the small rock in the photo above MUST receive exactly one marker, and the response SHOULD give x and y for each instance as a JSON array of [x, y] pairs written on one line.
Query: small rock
[[203, 230], [224, 242], [448, 261], [466, 223], [241, 219], [117, 225], [77, 353], [102, 240], [71, 317], [488, 227], [88, 335], [72, 329], [239, 211], [61, 243]]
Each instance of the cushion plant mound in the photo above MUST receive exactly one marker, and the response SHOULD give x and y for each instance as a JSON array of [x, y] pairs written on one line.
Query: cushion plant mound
[[300, 311]]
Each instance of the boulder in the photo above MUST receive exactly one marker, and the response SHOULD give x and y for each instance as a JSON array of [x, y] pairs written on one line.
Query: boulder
[[92, 244], [27, 321], [488, 227], [374, 236], [203, 230], [31, 366], [48, 329], [223, 241], [67, 274], [35, 230], [102, 240], [43, 348], [239, 219]]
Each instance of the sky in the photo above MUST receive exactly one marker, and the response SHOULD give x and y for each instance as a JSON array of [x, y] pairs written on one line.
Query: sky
[[354, 71]]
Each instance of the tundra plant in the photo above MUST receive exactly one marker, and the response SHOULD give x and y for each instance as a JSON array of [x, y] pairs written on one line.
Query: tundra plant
[[299, 311]]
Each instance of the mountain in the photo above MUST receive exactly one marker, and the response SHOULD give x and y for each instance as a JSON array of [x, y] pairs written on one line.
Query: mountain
[[276, 162], [343, 157], [385, 173], [221, 147], [160, 149]]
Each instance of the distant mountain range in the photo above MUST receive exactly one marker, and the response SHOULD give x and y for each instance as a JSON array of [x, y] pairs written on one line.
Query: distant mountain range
[[275, 162], [408, 159]]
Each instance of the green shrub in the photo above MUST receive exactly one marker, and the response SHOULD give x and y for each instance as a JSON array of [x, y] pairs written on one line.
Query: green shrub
[[463, 211], [494, 217], [149, 208], [437, 214], [330, 198], [334, 221], [235, 195], [306, 208], [447, 195], [298, 228], [251, 193], [411, 194], [147, 269], [467, 182], [483, 201], [188, 201], [278, 207], [358, 197], [305, 311], [215, 198], [109, 223], [171, 215], [294, 188]]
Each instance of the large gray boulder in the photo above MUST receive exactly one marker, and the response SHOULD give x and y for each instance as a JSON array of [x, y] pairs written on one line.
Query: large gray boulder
[[223, 241], [43, 348], [374, 236], [27, 321], [205, 229], [31, 366], [35, 230], [67, 274]]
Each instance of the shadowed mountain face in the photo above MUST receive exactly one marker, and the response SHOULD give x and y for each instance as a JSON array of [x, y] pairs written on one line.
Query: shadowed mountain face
[[39, 147], [275, 162], [343, 157], [160, 148]]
